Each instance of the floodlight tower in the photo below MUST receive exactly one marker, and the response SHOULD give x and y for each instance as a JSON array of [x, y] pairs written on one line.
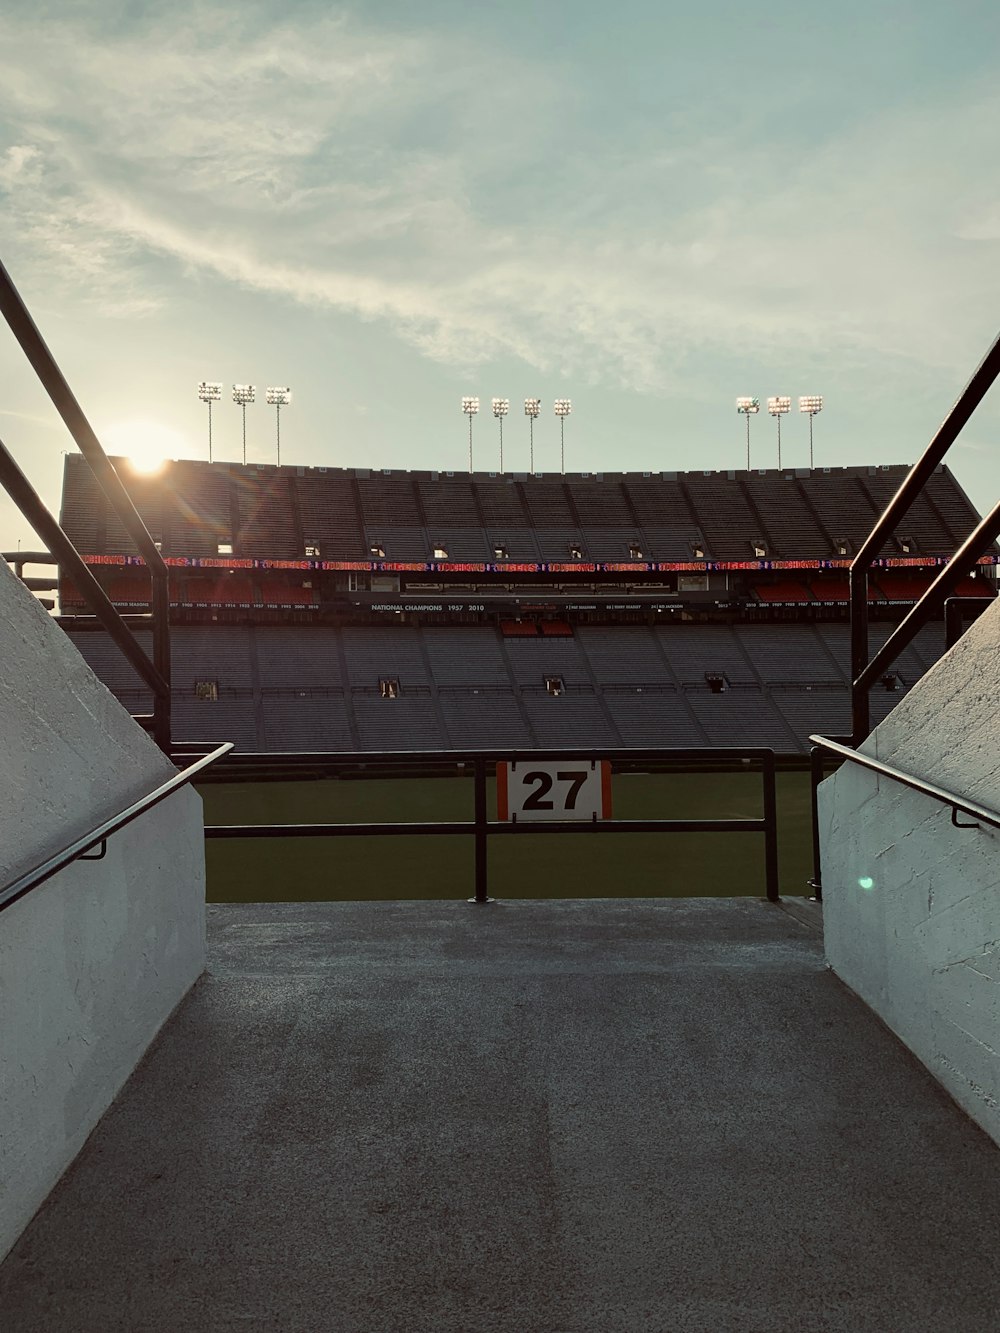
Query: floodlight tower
[[532, 406], [749, 407], [811, 404], [777, 407], [278, 398], [243, 394], [209, 393], [470, 406], [501, 406], [563, 409]]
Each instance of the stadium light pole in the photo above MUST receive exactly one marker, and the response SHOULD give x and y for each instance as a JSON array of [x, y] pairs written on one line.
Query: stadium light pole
[[470, 406], [210, 393], [532, 406], [749, 407], [501, 406], [278, 398], [563, 409], [243, 394], [777, 407], [811, 404]]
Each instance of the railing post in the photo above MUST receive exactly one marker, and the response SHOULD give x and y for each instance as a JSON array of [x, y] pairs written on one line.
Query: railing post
[[771, 829], [816, 770], [162, 725], [860, 716], [481, 833]]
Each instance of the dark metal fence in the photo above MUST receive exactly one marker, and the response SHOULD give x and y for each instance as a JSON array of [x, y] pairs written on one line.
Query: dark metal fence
[[482, 763]]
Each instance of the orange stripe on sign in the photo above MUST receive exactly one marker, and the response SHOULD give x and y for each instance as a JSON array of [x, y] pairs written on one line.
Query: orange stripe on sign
[[502, 812], [605, 789]]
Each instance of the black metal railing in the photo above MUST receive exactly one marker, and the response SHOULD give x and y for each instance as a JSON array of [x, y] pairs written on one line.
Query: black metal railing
[[61, 551], [98, 836], [481, 762], [865, 672]]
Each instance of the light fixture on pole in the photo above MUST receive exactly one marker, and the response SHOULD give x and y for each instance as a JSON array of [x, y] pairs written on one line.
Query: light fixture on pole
[[532, 406], [501, 406], [811, 404], [777, 407], [563, 409], [749, 407], [209, 393], [278, 398], [470, 406], [243, 394]]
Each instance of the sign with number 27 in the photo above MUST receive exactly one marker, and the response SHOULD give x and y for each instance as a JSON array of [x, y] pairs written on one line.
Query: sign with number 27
[[559, 789]]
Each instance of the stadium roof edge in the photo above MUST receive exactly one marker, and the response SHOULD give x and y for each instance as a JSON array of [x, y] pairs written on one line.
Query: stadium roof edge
[[666, 474]]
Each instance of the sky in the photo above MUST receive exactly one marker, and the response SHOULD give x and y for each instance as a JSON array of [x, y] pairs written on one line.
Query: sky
[[647, 208]]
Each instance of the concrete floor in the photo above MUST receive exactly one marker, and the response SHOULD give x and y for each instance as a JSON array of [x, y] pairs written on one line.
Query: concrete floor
[[535, 1117]]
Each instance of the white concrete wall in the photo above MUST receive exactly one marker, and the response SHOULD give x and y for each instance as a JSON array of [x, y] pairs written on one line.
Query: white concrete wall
[[911, 905], [93, 961]]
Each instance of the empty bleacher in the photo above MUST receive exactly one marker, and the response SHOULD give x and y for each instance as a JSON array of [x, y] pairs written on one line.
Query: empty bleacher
[[483, 718], [741, 717], [330, 513], [289, 657], [465, 656], [406, 723], [376, 653], [791, 524], [781, 654], [712, 649], [707, 678], [726, 519], [574, 718], [269, 512], [657, 716], [622, 685], [668, 525]]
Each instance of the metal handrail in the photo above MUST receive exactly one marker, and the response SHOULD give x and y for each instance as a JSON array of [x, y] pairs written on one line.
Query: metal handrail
[[864, 671], [54, 382], [982, 813], [99, 835]]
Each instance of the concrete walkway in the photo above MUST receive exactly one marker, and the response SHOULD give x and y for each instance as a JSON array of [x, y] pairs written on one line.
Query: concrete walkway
[[534, 1117]]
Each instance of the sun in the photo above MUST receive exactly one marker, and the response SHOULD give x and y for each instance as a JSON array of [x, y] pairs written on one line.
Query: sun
[[146, 444]]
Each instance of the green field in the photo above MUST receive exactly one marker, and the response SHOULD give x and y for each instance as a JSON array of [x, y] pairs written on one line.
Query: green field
[[531, 865]]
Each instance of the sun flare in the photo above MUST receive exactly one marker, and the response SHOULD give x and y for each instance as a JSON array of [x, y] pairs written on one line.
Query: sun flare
[[146, 444]]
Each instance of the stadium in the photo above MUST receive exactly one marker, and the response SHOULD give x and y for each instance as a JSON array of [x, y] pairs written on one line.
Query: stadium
[[345, 609], [246, 1046]]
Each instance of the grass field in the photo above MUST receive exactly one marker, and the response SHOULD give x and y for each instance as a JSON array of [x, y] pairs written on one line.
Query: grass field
[[533, 865]]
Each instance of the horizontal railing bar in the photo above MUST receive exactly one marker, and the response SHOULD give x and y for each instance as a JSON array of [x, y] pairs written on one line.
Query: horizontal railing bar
[[59, 860], [29, 557], [374, 757], [222, 831], [981, 812]]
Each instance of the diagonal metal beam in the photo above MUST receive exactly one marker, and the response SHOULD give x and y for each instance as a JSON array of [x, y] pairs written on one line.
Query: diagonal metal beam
[[21, 491], [958, 567]]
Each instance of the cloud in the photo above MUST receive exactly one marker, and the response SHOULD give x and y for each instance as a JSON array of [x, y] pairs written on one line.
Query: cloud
[[394, 177]]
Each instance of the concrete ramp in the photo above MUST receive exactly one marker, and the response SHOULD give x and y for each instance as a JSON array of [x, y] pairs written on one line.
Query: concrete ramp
[[578, 1117]]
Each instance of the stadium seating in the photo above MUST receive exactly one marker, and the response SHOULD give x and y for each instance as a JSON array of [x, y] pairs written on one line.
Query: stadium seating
[[740, 654], [318, 688]]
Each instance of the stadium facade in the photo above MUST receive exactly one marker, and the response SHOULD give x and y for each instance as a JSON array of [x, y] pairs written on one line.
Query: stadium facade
[[351, 609]]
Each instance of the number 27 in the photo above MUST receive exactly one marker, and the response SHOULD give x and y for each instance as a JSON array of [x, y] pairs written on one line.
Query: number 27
[[536, 801]]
